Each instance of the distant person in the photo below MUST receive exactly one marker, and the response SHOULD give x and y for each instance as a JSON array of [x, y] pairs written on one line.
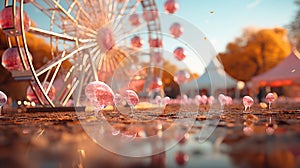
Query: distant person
[[260, 94]]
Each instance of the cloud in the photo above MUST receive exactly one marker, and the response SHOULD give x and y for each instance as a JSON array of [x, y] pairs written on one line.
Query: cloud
[[253, 4]]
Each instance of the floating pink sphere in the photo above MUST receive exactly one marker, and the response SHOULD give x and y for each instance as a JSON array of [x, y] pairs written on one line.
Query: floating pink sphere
[[228, 100], [270, 98], [156, 58], [134, 19], [11, 59], [166, 100], [197, 99], [179, 53], [103, 95], [210, 100], [222, 99], [176, 30], [247, 102], [181, 158], [32, 97], [90, 90], [204, 99], [150, 15], [7, 21], [270, 130], [136, 42], [3, 98], [248, 131], [171, 6], [105, 38], [158, 100], [131, 97], [118, 98], [155, 43], [181, 76], [184, 99]]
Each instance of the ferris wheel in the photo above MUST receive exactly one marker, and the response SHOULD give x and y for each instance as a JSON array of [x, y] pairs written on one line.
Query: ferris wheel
[[88, 40]]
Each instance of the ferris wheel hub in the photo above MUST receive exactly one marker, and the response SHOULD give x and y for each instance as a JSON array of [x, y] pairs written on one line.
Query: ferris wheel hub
[[105, 38]]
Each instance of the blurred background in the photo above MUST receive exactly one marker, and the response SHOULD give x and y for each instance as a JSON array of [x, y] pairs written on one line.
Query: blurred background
[[251, 37]]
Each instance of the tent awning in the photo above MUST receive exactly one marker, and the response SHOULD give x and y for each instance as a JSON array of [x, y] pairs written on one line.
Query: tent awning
[[285, 73], [214, 78]]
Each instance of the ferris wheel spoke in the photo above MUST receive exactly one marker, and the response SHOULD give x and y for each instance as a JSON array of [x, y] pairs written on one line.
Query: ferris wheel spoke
[[71, 86], [65, 86], [54, 75], [58, 6], [110, 6], [111, 65], [71, 6], [60, 59], [57, 13], [68, 86], [91, 6], [89, 63], [123, 34], [42, 9], [48, 11], [87, 29], [69, 93], [103, 10], [115, 62], [123, 65], [46, 77], [53, 34], [100, 60], [95, 51], [103, 66], [84, 16], [99, 15], [71, 18], [96, 58], [119, 13], [116, 22], [80, 76], [96, 55]]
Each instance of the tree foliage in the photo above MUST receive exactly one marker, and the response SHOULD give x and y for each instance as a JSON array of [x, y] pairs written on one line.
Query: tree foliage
[[294, 27], [255, 52]]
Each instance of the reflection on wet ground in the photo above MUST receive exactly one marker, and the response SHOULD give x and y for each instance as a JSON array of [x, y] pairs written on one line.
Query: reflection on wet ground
[[259, 138]]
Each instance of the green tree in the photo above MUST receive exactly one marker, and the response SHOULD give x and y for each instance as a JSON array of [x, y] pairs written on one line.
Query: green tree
[[255, 52]]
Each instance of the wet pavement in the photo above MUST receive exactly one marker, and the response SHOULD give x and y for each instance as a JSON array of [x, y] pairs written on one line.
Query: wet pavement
[[176, 136]]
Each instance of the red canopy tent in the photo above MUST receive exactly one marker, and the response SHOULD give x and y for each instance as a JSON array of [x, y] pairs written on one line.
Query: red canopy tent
[[285, 73]]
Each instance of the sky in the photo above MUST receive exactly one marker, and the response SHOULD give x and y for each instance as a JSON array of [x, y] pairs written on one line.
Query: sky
[[230, 17], [219, 21]]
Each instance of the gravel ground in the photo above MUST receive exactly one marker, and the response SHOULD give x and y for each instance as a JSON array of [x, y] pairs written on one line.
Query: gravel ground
[[257, 138]]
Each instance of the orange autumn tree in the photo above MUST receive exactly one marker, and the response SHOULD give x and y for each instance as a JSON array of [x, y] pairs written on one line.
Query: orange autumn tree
[[294, 27], [255, 52]]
